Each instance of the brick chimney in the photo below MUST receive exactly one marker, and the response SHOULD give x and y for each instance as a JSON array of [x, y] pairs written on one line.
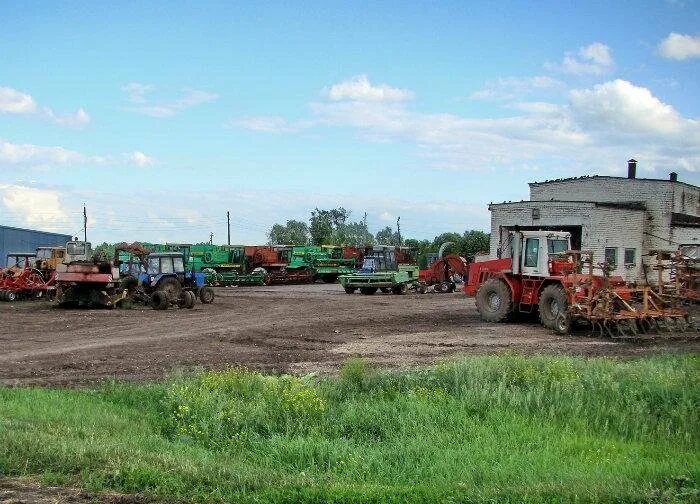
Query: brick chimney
[[632, 169], [673, 177]]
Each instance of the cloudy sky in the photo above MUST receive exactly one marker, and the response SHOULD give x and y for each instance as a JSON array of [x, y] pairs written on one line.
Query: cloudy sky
[[161, 118]]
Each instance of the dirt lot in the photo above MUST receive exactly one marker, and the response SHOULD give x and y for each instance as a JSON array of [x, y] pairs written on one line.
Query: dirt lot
[[282, 329]]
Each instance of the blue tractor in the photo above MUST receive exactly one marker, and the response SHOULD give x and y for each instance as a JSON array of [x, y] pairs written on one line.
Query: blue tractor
[[160, 278], [167, 282]]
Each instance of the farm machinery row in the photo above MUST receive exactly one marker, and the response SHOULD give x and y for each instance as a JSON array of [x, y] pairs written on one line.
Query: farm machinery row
[[544, 276], [226, 265], [134, 275]]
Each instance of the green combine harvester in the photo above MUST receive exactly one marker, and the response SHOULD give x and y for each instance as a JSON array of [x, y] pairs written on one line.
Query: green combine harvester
[[383, 270], [325, 263], [222, 265]]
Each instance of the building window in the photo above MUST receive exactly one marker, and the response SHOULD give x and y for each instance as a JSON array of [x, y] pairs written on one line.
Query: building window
[[611, 256], [630, 257]]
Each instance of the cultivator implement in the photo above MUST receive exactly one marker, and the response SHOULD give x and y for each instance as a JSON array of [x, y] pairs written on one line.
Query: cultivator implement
[[27, 283], [620, 312]]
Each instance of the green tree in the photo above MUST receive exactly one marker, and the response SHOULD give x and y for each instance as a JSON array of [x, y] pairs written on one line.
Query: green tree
[[294, 232], [387, 236], [473, 242], [327, 223], [422, 248], [105, 251], [353, 233]]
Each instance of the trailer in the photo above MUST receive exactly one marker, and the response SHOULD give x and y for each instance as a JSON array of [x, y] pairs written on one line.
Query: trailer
[[381, 270]]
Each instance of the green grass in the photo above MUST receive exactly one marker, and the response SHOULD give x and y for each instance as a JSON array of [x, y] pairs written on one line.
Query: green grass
[[484, 429]]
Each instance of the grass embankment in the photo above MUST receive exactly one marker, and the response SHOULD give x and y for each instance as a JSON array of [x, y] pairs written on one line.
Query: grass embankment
[[516, 429]]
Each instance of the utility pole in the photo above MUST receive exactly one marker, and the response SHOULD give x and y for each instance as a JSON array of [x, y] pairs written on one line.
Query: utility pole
[[211, 238], [84, 223], [364, 220], [228, 223], [398, 229]]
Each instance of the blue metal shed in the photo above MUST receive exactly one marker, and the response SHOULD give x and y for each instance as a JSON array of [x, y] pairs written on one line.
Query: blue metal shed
[[14, 239]]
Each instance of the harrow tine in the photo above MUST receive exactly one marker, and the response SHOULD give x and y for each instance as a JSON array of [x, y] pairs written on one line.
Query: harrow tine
[[609, 326], [634, 329]]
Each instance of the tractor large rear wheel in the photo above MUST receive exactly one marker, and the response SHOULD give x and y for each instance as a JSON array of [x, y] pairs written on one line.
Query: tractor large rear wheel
[[171, 287], [494, 300], [553, 303]]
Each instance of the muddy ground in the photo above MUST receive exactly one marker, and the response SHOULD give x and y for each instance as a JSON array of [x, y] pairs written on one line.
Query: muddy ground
[[280, 329]]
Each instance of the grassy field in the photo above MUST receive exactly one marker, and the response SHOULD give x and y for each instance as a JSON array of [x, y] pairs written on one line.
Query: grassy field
[[483, 429]]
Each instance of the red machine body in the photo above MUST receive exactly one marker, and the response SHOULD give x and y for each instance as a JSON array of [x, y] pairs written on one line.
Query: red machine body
[[25, 283], [443, 269]]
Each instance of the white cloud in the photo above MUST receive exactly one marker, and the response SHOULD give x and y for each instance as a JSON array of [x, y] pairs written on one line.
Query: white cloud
[[136, 92], [16, 102], [622, 106], [38, 156], [359, 88], [34, 207], [594, 59], [386, 217], [140, 159], [77, 120], [508, 88], [267, 124], [589, 134], [680, 47], [28, 154], [136, 95]]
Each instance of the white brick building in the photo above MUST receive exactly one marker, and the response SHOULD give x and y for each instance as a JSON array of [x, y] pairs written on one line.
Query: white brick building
[[618, 218]]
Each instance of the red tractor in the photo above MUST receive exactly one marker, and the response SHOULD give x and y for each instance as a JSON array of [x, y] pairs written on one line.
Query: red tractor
[[543, 275]]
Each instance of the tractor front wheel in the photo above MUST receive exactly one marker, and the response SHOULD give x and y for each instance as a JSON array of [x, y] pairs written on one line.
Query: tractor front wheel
[[206, 295], [399, 289], [350, 290], [368, 291], [553, 303], [159, 300], [494, 301]]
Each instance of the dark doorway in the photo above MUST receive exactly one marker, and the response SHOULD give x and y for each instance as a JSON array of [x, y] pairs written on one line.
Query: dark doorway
[[576, 232]]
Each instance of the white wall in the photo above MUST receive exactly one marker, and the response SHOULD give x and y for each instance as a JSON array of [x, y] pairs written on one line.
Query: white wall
[[661, 198]]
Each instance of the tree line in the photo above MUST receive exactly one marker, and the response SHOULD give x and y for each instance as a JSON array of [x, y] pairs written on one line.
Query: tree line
[[334, 226]]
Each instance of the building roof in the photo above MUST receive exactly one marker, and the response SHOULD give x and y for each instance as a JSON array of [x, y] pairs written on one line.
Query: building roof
[[624, 205], [590, 177], [33, 231]]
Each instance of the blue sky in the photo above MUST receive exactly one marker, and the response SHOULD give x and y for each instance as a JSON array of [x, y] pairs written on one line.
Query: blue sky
[[162, 117]]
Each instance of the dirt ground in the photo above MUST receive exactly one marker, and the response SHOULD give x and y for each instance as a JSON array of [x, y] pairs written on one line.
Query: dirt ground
[[26, 491], [294, 329]]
